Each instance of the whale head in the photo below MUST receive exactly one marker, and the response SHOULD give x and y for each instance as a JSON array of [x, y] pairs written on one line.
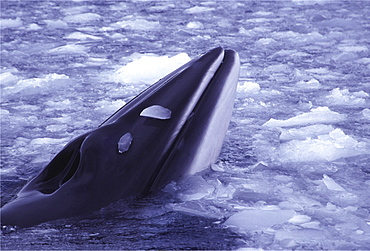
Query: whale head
[[173, 129]]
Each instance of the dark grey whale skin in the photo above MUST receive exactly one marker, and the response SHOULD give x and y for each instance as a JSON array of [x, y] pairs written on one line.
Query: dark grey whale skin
[[90, 172]]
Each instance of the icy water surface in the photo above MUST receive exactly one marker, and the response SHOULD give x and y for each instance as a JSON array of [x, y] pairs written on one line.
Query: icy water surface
[[294, 170]]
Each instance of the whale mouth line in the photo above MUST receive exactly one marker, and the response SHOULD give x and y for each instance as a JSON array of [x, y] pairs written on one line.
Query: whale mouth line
[[62, 168]]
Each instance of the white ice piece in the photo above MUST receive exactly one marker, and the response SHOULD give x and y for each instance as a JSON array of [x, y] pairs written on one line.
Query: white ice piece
[[300, 219], [198, 9], [328, 147], [248, 88], [137, 24], [331, 184], [82, 18], [366, 113], [195, 25], [257, 219], [155, 68], [124, 143], [305, 132], [345, 97], [317, 115], [10, 23], [156, 112]]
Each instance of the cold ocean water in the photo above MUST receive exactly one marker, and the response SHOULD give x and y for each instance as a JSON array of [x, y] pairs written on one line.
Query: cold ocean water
[[294, 171]]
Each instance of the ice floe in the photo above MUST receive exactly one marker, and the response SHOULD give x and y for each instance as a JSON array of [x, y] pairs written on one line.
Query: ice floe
[[328, 147], [195, 25], [198, 9], [155, 67], [331, 184], [248, 88], [136, 24], [10, 23], [72, 49], [82, 18], [259, 219], [319, 115], [346, 98], [38, 85], [81, 36], [55, 24]]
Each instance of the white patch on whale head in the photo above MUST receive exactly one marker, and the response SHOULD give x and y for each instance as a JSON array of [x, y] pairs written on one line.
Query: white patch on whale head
[[156, 112], [124, 143]]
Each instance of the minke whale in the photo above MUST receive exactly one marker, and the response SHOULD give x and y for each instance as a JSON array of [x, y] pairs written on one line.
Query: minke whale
[[172, 129]]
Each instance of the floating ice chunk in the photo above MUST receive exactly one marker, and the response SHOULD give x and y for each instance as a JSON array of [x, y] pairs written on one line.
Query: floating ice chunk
[[278, 68], [299, 38], [263, 13], [291, 238], [248, 88], [195, 25], [69, 49], [198, 209], [48, 141], [259, 20], [198, 9], [328, 147], [36, 85], [321, 115], [195, 188], [82, 18], [300, 219], [4, 112], [7, 78], [364, 61], [266, 41], [156, 112], [155, 68], [257, 219], [223, 191], [310, 84], [96, 61], [108, 106], [331, 184], [34, 27], [366, 113], [82, 36], [124, 143], [217, 168], [346, 23], [282, 178], [65, 104], [138, 24], [353, 48], [319, 71], [310, 2], [56, 128], [344, 97], [10, 23], [311, 131], [345, 57], [312, 224], [56, 24]]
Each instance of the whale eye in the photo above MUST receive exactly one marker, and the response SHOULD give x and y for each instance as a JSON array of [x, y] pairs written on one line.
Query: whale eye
[[156, 112], [124, 143]]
